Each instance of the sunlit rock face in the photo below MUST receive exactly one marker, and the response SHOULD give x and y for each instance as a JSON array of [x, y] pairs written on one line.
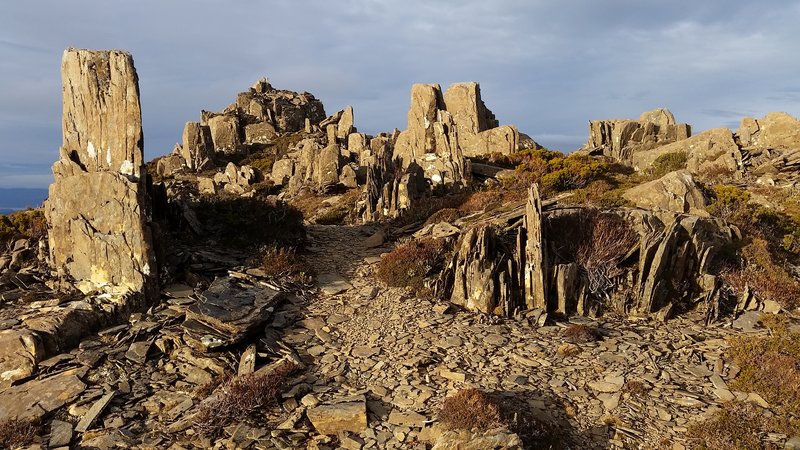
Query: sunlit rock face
[[97, 209]]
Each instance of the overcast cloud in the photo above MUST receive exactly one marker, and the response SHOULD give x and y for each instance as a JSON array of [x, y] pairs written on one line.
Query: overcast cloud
[[548, 67]]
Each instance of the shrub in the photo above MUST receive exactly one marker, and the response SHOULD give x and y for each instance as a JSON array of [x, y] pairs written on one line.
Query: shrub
[[242, 397], [759, 269], [249, 222], [770, 365], [603, 194], [666, 163], [471, 409], [635, 388], [735, 427], [283, 262], [730, 203], [421, 209], [16, 433], [27, 224], [581, 334], [263, 164], [410, 263], [443, 215], [606, 240]]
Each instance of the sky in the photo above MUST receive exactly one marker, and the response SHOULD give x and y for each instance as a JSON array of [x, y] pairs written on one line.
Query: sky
[[547, 67]]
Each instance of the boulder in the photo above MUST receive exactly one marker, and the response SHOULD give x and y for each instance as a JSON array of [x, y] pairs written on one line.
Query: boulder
[[198, 146], [327, 167], [622, 139], [282, 170], [345, 125], [225, 133], [20, 352], [34, 399], [259, 133], [102, 119], [168, 165], [235, 179], [478, 440], [97, 210], [227, 312], [675, 191], [339, 417]]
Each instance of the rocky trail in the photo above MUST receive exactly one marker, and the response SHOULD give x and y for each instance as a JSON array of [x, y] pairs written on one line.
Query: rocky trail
[[377, 364]]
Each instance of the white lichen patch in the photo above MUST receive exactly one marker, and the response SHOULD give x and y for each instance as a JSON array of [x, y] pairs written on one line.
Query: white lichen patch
[[91, 151], [126, 168], [108, 155]]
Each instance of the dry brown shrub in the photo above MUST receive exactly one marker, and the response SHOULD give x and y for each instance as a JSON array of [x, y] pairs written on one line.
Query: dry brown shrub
[[735, 427], [471, 409], [581, 334], [765, 276], [283, 262], [475, 410], [635, 388], [242, 397], [410, 263], [16, 433], [608, 240], [770, 365]]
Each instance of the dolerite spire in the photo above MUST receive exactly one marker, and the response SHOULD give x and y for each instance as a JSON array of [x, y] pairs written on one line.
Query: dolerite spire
[[97, 209]]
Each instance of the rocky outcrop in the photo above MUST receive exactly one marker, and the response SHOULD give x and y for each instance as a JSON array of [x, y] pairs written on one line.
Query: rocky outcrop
[[775, 131], [621, 139], [574, 260], [443, 129], [97, 210], [675, 191], [771, 147], [198, 146], [713, 149], [235, 179]]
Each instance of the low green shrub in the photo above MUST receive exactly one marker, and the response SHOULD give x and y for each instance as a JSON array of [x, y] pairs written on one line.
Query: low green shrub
[[666, 163]]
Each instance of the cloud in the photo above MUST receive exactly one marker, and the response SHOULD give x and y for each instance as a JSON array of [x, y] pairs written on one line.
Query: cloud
[[548, 67]]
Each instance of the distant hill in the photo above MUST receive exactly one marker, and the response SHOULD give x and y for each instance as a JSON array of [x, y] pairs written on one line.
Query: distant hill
[[13, 199]]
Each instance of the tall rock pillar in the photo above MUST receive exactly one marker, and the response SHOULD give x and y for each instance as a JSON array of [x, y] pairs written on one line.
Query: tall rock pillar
[[97, 210]]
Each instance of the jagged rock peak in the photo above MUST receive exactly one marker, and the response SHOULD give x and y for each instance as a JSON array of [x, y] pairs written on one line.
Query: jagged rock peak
[[102, 123]]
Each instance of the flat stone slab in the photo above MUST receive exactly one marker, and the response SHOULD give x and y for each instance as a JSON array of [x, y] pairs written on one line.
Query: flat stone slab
[[333, 283], [34, 399], [339, 417], [227, 312]]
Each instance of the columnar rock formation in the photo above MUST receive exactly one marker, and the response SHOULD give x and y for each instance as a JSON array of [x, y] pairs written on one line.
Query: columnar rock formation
[[97, 210]]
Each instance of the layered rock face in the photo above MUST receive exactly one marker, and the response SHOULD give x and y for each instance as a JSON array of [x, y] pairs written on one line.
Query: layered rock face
[[771, 147], [97, 209], [443, 129], [622, 138], [572, 260]]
